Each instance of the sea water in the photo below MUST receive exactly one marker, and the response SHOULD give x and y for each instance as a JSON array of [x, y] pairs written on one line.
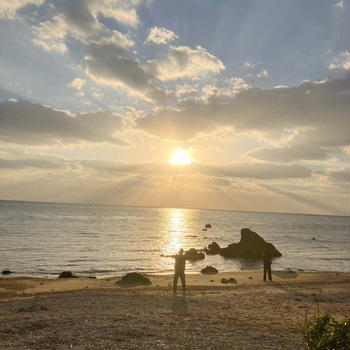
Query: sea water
[[44, 239]]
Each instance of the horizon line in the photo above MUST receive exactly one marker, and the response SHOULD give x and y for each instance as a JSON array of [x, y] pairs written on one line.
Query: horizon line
[[156, 207]]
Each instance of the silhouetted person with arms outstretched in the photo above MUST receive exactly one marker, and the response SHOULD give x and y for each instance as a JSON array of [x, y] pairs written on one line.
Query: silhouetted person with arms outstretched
[[180, 264], [267, 265]]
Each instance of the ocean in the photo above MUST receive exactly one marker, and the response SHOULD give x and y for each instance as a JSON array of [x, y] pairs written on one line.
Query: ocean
[[44, 239]]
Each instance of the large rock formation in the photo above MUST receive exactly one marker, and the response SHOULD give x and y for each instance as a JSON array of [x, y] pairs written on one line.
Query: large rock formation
[[251, 246], [213, 249]]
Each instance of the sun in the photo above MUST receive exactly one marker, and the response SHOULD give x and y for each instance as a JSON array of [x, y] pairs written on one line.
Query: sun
[[181, 157]]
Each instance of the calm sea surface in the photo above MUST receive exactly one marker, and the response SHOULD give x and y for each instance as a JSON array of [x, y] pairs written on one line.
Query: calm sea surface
[[47, 238]]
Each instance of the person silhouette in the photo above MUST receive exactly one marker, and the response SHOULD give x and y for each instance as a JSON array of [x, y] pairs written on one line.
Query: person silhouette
[[179, 269], [267, 265]]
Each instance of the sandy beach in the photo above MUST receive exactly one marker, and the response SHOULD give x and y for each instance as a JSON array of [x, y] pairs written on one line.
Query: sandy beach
[[87, 313]]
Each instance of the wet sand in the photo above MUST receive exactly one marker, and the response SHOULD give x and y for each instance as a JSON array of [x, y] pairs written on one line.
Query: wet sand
[[86, 313]]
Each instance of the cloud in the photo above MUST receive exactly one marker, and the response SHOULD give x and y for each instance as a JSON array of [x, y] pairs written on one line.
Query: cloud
[[184, 62], [122, 11], [9, 8], [339, 5], [341, 62], [317, 112], [290, 153], [339, 175], [77, 84], [262, 171], [33, 124], [221, 91], [186, 89], [109, 63], [263, 75], [30, 163], [160, 36], [79, 20]]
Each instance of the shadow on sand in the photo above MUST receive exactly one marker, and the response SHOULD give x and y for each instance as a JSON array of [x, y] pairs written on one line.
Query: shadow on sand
[[179, 304], [284, 274]]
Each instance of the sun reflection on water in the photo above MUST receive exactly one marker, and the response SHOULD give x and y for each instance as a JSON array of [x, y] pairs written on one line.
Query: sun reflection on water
[[177, 223]]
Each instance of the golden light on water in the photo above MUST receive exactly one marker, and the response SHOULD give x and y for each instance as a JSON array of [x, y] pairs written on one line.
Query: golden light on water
[[181, 157], [177, 230]]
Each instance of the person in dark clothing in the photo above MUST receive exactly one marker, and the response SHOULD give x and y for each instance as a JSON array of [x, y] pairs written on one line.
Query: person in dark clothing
[[179, 269], [267, 265]]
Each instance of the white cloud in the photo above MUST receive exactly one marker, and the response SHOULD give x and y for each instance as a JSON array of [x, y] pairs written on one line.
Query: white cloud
[[160, 36], [263, 75], [122, 11], [9, 8], [342, 61], [339, 5], [184, 62], [249, 64], [186, 89], [80, 20], [51, 35], [77, 84], [220, 91]]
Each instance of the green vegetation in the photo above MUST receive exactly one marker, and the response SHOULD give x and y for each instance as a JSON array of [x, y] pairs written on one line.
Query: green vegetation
[[325, 333]]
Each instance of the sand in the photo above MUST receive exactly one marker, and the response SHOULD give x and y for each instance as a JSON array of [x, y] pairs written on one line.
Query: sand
[[86, 313]]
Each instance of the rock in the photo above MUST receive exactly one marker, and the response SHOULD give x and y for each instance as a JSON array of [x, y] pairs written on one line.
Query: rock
[[313, 238], [227, 281], [205, 229], [66, 274], [208, 226], [251, 246], [209, 270], [193, 255], [134, 279], [232, 280], [213, 248], [6, 272]]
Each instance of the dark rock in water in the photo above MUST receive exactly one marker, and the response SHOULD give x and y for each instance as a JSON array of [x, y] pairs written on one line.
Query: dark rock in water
[[6, 272], [213, 248], [66, 274], [313, 238], [251, 246], [209, 270], [134, 279], [193, 255], [208, 226], [227, 281]]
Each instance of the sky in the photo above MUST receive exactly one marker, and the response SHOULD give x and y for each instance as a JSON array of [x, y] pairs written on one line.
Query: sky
[[97, 97]]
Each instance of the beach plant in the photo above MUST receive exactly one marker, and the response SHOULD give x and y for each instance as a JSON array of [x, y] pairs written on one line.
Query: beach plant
[[326, 333]]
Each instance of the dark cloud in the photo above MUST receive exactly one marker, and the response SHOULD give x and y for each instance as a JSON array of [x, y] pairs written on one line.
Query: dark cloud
[[262, 171], [339, 175], [110, 64], [290, 153], [317, 111], [27, 123]]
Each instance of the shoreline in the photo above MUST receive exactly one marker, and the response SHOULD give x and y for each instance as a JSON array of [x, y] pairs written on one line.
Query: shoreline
[[54, 275], [15, 286]]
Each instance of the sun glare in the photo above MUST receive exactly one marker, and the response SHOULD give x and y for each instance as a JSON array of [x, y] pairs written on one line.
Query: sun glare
[[181, 157]]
